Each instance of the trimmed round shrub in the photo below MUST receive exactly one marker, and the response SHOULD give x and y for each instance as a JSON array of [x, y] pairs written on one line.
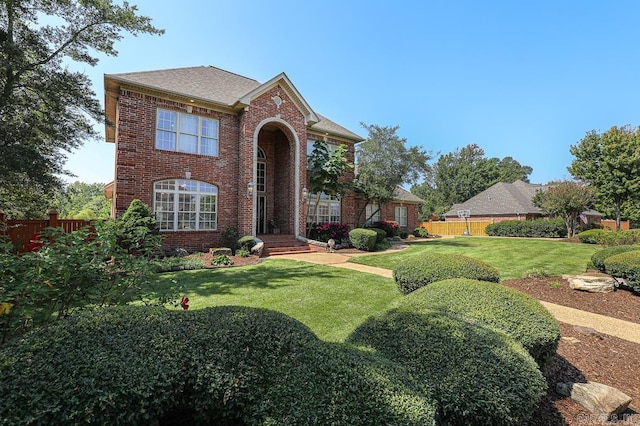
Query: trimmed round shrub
[[598, 258], [224, 365], [381, 234], [363, 239], [592, 236], [522, 317], [419, 271], [247, 242], [627, 266], [420, 232], [476, 374]]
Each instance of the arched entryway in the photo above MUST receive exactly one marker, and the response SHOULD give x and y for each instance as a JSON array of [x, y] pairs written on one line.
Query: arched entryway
[[277, 179]]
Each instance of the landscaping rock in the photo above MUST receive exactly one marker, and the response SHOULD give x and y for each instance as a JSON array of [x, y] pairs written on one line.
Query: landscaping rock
[[592, 284], [598, 398], [219, 251]]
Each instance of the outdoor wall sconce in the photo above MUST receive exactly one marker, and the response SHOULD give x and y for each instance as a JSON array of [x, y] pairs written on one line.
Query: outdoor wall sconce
[[250, 186], [305, 193], [187, 174]]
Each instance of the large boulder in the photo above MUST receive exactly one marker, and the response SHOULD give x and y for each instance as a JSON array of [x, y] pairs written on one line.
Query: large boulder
[[593, 283], [598, 398]]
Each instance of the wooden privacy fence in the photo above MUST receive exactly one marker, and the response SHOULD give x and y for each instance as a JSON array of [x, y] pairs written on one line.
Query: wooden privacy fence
[[476, 227], [20, 232]]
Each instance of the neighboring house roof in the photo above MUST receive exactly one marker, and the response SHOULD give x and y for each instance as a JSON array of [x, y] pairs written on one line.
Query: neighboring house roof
[[592, 212], [216, 86], [501, 199], [405, 196]]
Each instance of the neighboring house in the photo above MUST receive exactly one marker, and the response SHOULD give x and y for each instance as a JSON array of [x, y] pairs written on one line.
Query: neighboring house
[[405, 210], [508, 201], [209, 150]]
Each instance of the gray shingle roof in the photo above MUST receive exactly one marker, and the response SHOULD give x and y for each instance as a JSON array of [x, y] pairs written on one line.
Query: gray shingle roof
[[214, 85], [206, 83], [501, 199], [401, 194]]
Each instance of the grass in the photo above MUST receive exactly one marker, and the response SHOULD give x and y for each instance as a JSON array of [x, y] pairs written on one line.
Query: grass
[[513, 257], [334, 301], [331, 301]]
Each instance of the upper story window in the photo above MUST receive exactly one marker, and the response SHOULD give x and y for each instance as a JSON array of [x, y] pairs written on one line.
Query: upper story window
[[185, 205], [182, 132], [330, 147]]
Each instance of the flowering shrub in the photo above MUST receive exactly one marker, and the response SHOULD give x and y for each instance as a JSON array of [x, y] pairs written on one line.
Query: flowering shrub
[[337, 231], [184, 303], [391, 227], [35, 243]]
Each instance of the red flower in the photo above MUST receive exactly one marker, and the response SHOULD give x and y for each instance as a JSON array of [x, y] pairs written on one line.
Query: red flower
[[184, 303]]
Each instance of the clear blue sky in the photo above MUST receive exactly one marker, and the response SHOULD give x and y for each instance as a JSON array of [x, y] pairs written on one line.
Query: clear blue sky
[[525, 79]]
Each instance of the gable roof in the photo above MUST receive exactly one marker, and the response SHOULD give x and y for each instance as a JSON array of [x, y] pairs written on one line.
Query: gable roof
[[215, 86], [501, 199], [402, 195]]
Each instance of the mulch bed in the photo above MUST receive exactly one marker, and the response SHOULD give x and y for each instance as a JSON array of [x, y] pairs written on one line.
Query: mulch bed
[[582, 356]]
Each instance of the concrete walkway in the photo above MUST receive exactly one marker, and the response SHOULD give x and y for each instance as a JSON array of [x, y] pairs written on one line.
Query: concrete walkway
[[603, 324]]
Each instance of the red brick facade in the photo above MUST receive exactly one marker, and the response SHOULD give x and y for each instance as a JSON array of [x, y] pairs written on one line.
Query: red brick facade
[[388, 212], [272, 118]]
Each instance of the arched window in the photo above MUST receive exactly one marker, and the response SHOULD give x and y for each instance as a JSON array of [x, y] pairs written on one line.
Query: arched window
[[185, 205]]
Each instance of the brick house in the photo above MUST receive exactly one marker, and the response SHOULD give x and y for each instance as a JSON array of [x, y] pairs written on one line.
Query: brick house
[[209, 150], [508, 201]]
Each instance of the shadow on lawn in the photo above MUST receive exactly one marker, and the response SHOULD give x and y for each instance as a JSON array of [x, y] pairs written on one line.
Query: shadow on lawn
[[221, 281], [446, 242]]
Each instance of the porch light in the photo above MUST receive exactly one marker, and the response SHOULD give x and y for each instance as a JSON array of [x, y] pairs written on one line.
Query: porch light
[[305, 193], [250, 186]]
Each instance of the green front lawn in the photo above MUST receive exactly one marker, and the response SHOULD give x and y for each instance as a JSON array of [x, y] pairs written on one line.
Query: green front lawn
[[513, 257], [331, 301], [334, 301]]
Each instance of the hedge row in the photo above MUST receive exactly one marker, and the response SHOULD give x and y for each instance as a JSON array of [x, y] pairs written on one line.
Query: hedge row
[[224, 365], [523, 318], [598, 258], [626, 266], [419, 271], [539, 228], [477, 375], [620, 237]]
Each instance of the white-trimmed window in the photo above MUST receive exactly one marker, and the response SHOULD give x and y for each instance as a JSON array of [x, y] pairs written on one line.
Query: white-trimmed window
[[330, 147], [372, 214], [401, 216], [182, 132], [261, 171], [185, 205], [328, 209]]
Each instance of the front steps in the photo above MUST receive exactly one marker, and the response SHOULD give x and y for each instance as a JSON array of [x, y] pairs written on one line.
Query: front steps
[[278, 244]]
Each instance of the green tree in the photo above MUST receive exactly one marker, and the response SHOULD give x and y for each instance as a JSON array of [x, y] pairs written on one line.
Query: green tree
[[48, 110], [384, 162], [80, 200], [566, 200], [464, 173], [610, 163], [326, 167]]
